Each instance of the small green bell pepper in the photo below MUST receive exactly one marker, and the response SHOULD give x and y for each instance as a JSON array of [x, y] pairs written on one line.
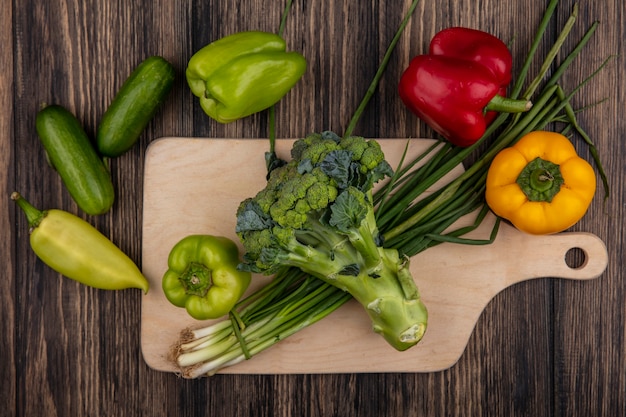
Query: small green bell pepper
[[202, 276], [243, 74]]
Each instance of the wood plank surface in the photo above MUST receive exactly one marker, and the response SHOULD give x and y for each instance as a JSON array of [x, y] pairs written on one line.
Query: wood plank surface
[[544, 347]]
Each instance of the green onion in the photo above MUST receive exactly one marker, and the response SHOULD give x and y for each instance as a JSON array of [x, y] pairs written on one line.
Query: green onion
[[270, 155]]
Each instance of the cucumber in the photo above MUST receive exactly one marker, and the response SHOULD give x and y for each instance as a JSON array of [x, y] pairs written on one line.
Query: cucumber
[[134, 106], [71, 153]]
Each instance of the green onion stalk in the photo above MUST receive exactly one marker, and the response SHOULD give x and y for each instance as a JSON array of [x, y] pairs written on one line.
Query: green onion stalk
[[409, 221]]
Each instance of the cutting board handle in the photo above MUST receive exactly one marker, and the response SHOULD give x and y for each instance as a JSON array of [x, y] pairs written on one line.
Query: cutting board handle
[[547, 256]]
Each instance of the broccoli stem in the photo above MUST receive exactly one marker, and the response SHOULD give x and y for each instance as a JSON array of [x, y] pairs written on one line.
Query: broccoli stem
[[387, 291], [391, 299], [325, 254], [364, 242]]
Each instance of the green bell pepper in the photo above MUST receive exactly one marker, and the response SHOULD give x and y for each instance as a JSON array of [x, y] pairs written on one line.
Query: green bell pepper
[[243, 74], [202, 276]]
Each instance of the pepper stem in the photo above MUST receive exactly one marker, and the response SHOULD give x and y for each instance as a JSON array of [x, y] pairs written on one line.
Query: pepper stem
[[540, 180], [196, 279], [508, 105], [33, 215]]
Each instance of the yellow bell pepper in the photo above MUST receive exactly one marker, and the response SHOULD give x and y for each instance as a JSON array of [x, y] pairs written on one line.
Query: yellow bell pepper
[[540, 184]]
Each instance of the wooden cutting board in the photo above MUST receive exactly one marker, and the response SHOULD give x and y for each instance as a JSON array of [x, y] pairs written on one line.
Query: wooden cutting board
[[194, 185]]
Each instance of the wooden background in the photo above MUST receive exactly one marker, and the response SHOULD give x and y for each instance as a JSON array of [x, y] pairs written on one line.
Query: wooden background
[[542, 348]]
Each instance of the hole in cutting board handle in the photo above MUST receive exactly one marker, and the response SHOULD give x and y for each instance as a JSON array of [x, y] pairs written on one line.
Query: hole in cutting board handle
[[576, 258]]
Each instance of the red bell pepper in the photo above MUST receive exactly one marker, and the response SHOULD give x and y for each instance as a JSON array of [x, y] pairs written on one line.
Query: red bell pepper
[[459, 87]]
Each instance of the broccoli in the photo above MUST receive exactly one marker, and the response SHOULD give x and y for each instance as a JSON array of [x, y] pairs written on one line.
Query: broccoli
[[316, 213]]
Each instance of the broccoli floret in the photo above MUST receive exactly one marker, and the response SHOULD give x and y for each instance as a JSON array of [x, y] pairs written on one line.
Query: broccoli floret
[[316, 213], [368, 154], [314, 147]]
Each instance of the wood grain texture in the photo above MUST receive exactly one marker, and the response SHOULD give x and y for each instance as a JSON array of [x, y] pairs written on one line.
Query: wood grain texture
[[541, 348], [9, 370]]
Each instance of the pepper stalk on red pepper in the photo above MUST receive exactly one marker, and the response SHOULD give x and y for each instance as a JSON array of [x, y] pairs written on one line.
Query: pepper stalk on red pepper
[[460, 85]]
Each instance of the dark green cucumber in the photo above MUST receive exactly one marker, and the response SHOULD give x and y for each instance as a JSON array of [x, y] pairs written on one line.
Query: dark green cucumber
[[73, 156], [134, 106]]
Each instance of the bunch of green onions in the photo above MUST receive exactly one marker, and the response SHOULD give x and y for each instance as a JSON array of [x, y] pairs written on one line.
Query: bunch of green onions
[[409, 222]]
